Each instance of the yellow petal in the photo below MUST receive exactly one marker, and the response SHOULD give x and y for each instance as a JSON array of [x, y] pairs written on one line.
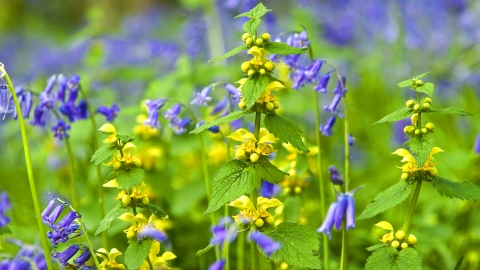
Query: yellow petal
[[107, 129], [275, 85], [385, 225], [409, 158], [140, 218], [168, 256], [111, 183], [126, 217], [241, 82], [414, 119], [264, 203], [128, 147], [401, 152], [240, 202], [257, 52], [114, 253], [435, 150], [155, 248]]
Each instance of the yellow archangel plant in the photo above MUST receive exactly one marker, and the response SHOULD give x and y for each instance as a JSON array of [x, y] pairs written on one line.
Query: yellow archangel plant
[[255, 214]]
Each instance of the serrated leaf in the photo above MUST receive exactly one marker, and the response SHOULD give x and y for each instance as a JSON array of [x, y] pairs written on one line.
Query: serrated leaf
[[450, 111], [5, 230], [460, 190], [387, 199], [420, 146], [107, 220], [299, 245], [389, 258], [125, 138], [286, 130], [102, 154], [128, 178], [228, 54], [267, 171], [405, 83], [251, 26], [253, 88], [283, 48], [256, 12], [233, 180], [157, 211], [421, 75], [227, 118], [426, 88], [137, 252], [292, 208], [375, 247], [396, 115], [244, 14]]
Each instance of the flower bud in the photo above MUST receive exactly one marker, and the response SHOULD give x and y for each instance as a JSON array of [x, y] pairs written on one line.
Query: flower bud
[[418, 82], [259, 41], [248, 41], [417, 131], [428, 100], [297, 190], [395, 244], [266, 36], [276, 105], [107, 129], [424, 130], [269, 65], [287, 190], [137, 162], [262, 71], [412, 240], [126, 200], [242, 105], [429, 126], [269, 106], [400, 235], [408, 129], [405, 176], [404, 245], [245, 66], [410, 103], [251, 72], [416, 107], [270, 220], [145, 201], [116, 165], [432, 171], [240, 154], [414, 119], [130, 234], [259, 222], [254, 157], [245, 36], [426, 106]]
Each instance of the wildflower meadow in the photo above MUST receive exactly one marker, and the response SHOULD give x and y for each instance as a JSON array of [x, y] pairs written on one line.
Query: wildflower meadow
[[240, 134]]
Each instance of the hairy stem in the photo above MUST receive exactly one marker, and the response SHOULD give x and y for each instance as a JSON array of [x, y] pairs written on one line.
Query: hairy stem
[[408, 218], [254, 195]]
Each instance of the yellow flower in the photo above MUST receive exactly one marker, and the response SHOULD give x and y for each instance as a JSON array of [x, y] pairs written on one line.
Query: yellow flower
[[387, 238], [241, 82], [258, 56], [139, 221], [411, 166], [110, 262], [250, 144], [250, 212], [159, 263], [109, 129]]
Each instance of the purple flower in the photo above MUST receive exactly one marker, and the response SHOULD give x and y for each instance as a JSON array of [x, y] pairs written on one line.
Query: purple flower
[[312, 70], [267, 244], [202, 98], [60, 130], [321, 87], [476, 147], [83, 258], [221, 105], [351, 139], [67, 254], [338, 90], [109, 113], [224, 231], [335, 176], [327, 129], [46, 98], [49, 217], [217, 265], [299, 79], [6, 104], [269, 189], [25, 101], [62, 86], [333, 105], [39, 116], [153, 106], [4, 206], [152, 233], [63, 234], [343, 207], [233, 91], [179, 125], [173, 112]]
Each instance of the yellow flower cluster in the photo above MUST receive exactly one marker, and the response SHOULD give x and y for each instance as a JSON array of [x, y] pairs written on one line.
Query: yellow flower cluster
[[255, 214], [109, 261], [158, 262], [293, 183], [410, 167], [250, 147], [124, 158], [139, 222], [396, 240]]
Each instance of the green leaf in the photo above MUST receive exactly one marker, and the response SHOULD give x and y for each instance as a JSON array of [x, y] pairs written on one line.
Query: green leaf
[[292, 208], [125, 138], [459, 264], [137, 252], [461, 190], [228, 54], [451, 111], [421, 75], [299, 245], [233, 180], [227, 118], [375, 247], [387, 199], [267, 171], [159, 213], [396, 115], [286, 130], [426, 88], [256, 12], [107, 220], [389, 258], [421, 146], [128, 178], [253, 88], [102, 154], [251, 26], [283, 48], [5, 230], [405, 83]]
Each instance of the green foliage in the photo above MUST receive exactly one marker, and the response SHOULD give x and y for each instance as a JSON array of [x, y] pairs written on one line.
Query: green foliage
[[286, 130], [409, 82], [102, 154], [253, 88], [396, 115], [387, 199], [137, 252], [283, 48], [159, 213], [128, 178], [124, 138], [420, 146], [461, 190], [389, 258], [227, 118], [107, 220], [377, 246], [5, 230], [292, 208], [450, 111], [426, 88], [299, 245], [228, 54], [254, 14], [265, 170], [459, 264]]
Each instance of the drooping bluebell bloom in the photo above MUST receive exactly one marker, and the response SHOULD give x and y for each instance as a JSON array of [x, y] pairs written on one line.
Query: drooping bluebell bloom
[[225, 231], [217, 265], [64, 256], [341, 88], [32, 253], [25, 102], [63, 234], [351, 139], [109, 113], [46, 96], [6, 104], [66, 228], [269, 190], [476, 147], [298, 40], [4, 206], [152, 233], [60, 130], [333, 106], [299, 78], [83, 258], [214, 129], [179, 125], [62, 87], [153, 106], [173, 112], [321, 86], [50, 216], [202, 97], [221, 106], [327, 129], [267, 244], [335, 176], [234, 92], [343, 208], [236, 124]]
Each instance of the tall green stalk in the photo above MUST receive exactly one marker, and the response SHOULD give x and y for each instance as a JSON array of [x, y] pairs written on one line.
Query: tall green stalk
[[254, 195], [28, 162], [71, 166], [344, 254]]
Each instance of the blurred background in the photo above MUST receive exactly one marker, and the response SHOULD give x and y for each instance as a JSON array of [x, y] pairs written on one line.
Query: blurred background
[[129, 51]]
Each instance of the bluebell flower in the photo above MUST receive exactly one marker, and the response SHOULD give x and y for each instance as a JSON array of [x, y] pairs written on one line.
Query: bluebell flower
[[4, 206], [46, 99], [225, 231], [25, 102], [153, 106], [214, 129], [269, 190], [60, 130], [313, 69], [63, 234], [66, 228], [321, 86], [267, 244], [476, 147], [50, 216], [173, 112], [6, 104], [221, 105], [202, 97], [338, 89], [343, 208], [81, 110], [327, 129], [333, 106], [109, 113], [351, 139], [179, 125], [26, 254], [236, 124], [67, 254], [39, 117], [152, 233], [62, 87], [335, 176], [234, 92], [299, 78], [83, 258], [217, 265]]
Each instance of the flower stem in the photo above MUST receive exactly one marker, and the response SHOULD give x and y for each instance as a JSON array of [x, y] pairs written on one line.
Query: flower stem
[[28, 162], [254, 195], [408, 218], [90, 247], [99, 173], [344, 254], [240, 249], [71, 165]]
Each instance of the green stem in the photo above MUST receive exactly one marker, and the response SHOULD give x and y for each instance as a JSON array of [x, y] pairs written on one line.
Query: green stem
[[240, 250], [71, 165], [28, 162], [408, 218], [254, 195], [99, 173], [90, 247], [344, 254]]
